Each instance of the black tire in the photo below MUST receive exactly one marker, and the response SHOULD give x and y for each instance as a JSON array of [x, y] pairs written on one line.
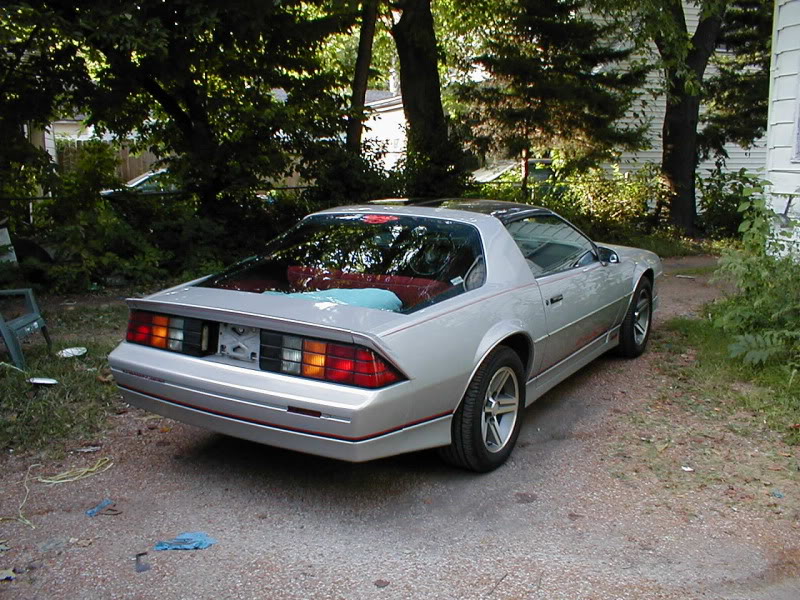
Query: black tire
[[636, 326], [472, 423]]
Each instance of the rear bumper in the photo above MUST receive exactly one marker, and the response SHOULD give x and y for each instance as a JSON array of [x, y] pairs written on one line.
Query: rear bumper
[[315, 417], [428, 434]]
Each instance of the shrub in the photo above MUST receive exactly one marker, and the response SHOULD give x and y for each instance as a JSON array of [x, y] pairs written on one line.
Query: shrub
[[764, 312], [608, 205], [720, 195]]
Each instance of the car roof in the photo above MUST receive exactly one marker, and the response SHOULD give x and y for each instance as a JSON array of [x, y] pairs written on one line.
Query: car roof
[[500, 209]]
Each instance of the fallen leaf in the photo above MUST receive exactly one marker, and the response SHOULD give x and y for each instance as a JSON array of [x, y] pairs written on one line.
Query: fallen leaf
[[381, 583]]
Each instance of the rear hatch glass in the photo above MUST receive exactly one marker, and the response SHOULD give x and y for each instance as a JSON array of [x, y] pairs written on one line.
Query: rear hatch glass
[[387, 262]]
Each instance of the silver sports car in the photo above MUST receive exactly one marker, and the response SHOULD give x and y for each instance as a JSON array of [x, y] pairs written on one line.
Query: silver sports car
[[368, 331]]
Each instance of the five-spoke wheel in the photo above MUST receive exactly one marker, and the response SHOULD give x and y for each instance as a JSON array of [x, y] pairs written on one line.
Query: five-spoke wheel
[[487, 422]]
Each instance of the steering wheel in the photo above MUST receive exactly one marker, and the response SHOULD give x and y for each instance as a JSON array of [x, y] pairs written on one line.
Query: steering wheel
[[432, 257]]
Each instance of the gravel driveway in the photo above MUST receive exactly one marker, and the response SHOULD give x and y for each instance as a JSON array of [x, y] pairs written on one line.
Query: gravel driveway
[[568, 517]]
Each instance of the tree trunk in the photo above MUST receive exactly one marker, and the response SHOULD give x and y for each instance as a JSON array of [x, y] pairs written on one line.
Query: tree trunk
[[431, 155], [355, 126], [679, 158], [679, 135]]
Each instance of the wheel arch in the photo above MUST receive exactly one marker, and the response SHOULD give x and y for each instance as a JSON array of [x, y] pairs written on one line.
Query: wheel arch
[[504, 334], [648, 274]]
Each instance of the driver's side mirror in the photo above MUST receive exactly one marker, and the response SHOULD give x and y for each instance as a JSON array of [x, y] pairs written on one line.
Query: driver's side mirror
[[608, 256]]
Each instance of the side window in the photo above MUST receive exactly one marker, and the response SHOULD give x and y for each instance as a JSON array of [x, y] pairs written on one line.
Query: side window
[[550, 244]]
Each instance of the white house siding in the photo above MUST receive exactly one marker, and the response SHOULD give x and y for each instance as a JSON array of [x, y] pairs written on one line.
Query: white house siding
[[783, 133], [386, 127], [751, 159]]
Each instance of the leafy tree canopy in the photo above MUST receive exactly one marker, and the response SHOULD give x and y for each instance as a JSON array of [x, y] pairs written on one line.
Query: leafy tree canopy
[[552, 83], [194, 81], [738, 94]]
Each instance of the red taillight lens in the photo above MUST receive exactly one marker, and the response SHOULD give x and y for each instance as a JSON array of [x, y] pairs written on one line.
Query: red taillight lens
[[317, 359], [178, 334]]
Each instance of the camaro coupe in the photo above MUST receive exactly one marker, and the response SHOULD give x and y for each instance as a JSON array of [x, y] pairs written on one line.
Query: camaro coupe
[[368, 331]]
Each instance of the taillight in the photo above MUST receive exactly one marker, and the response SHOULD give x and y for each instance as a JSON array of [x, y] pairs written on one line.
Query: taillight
[[178, 334], [329, 361]]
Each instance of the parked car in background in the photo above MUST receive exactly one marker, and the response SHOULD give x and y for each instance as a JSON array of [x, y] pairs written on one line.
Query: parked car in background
[[368, 331], [158, 182]]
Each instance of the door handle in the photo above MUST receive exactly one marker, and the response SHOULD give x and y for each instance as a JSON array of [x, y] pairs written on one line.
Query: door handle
[[555, 299]]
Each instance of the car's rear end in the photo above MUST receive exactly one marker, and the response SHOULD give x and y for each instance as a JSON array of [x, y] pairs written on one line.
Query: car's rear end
[[288, 348]]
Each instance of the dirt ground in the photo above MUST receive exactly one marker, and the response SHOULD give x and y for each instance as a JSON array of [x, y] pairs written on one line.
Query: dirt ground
[[623, 486]]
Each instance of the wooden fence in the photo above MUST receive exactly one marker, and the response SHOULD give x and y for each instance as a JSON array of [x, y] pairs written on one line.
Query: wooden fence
[[129, 165]]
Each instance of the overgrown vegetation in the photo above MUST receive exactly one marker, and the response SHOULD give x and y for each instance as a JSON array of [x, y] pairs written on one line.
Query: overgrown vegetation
[[764, 312], [609, 206], [721, 193], [38, 416]]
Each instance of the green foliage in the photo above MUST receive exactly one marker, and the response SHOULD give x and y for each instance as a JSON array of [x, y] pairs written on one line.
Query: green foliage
[[553, 82], [764, 312], [737, 94], [610, 203], [36, 75], [90, 243], [344, 178], [196, 81], [609, 206], [721, 193]]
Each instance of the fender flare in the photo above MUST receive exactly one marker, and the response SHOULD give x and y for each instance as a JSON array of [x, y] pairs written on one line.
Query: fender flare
[[493, 338]]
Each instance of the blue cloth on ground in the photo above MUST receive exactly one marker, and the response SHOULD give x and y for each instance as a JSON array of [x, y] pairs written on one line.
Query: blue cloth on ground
[[365, 297], [93, 512], [196, 540]]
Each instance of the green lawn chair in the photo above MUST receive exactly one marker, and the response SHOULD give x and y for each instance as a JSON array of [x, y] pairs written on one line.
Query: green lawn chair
[[14, 330]]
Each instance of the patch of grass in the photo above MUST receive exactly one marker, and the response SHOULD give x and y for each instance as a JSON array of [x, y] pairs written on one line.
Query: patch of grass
[[103, 318], [667, 243], [771, 392], [33, 417]]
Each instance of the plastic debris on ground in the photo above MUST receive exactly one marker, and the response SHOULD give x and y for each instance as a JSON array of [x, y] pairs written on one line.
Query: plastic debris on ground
[[4, 545], [7, 574], [101, 465], [196, 540], [140, 565], [21, 518], [687, 469], [42, 381], [93, 512], [71, 352], [777, 494]]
